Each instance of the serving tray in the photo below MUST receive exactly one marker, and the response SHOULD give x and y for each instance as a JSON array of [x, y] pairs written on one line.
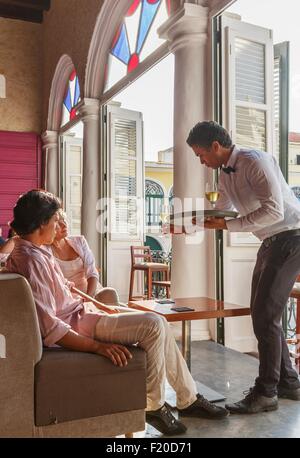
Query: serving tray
[[204, 214]]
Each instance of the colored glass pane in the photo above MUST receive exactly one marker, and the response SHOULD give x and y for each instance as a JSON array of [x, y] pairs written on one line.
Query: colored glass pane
[[68, 101], [72, 98], [77, 92], [136, 38], [121, 49], [149, 11]]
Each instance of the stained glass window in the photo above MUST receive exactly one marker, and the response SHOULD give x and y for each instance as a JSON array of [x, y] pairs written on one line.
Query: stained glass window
[[136, 38], [72, 97]]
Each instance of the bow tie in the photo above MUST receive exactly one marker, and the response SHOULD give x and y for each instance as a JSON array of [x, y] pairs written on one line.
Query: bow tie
[[228, 170]]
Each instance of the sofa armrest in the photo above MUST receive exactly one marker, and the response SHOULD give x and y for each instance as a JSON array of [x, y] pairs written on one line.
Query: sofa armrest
[[19, 330]]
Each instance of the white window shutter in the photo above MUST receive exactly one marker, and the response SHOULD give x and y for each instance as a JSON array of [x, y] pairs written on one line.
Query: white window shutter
[[72, 182], [125, 192], [248, 88], [125, 174]]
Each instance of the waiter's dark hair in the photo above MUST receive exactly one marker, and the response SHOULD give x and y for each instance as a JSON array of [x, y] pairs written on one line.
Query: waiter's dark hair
[[205, 133], [34, 209]]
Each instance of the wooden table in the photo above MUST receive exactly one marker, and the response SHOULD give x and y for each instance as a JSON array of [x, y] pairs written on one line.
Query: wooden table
[[204, 309]]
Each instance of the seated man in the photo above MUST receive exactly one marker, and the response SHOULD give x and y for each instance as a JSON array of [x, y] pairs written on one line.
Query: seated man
[[67, 321]]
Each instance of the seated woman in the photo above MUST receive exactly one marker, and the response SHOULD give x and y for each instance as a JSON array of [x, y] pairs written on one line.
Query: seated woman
[[68, 322], [77, 263]]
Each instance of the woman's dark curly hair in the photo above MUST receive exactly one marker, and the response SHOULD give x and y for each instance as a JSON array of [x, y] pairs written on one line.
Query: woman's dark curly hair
[[32, 210]]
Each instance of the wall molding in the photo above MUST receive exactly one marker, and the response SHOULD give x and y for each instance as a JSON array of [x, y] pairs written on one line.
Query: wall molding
[[62, 73]]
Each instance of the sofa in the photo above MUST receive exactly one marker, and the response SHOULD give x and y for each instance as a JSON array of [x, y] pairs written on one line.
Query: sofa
[[56, 392]]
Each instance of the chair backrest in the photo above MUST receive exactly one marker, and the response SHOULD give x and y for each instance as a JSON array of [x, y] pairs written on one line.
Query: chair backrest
[[140, 252], [21, 349]]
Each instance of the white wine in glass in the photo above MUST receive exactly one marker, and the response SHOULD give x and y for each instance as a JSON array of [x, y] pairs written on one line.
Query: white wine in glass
[[164, 214], [211, 193]]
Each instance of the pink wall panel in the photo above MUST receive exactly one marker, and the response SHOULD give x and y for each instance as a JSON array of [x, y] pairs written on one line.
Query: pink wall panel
[[15, 188], [20, 170], [12, 154]]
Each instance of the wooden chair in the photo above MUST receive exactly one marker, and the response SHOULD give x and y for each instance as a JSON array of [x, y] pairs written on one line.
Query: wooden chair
[[146, 265], [295, 294]]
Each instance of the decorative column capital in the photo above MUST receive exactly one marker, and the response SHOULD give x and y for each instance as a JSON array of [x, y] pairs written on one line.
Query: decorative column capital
[[50, 139], [187, 27], [89, 109]]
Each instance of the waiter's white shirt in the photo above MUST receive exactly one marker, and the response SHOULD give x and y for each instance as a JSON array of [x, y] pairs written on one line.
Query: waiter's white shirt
[[259, 192]]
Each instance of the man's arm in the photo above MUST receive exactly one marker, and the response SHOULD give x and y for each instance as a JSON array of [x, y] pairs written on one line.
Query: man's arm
[[223, 202], [118, 354], [215, 223], [266, 188]]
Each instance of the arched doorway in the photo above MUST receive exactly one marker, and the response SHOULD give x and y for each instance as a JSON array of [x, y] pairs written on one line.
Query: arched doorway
[[122, 166]]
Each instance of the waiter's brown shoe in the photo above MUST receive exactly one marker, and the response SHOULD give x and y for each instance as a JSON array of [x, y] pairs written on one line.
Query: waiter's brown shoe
[[253, 403]]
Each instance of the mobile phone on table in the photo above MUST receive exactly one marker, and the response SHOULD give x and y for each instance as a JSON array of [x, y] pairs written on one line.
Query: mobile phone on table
[[182, 309], [165, 301]]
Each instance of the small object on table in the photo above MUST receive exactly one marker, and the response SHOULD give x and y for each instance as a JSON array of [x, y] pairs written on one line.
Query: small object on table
[[182, 309], [165, 301]]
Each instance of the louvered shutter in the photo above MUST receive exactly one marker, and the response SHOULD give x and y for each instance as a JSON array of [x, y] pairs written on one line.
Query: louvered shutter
[[249, 86], [126, 175], [72, 182], [277, 105], [125, 192], [281, 104]]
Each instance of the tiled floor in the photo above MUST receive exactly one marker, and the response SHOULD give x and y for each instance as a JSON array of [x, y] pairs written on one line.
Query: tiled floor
[[230, 373]]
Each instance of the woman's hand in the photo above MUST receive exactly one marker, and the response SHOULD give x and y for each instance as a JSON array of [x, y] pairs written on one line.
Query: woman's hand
[[118, 354]]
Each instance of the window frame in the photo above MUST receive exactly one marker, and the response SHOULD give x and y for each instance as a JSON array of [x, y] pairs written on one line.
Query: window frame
[[232, 30], [148, 197]]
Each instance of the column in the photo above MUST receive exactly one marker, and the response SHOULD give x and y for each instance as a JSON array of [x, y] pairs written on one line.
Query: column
[[51, 161], [90, 115], [187, 35]]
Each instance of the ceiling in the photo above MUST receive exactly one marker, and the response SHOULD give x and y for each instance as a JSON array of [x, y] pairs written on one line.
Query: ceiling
[[25, 10]]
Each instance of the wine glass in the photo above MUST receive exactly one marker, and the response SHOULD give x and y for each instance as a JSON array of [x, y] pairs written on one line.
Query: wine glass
[[164, 213], [211, 193], [164, 217]]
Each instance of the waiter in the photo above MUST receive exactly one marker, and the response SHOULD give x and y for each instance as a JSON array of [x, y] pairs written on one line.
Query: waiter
[[252, 183]]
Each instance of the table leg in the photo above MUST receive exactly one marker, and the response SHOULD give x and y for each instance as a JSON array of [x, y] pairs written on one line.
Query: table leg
[[208, 393], [186, 342]]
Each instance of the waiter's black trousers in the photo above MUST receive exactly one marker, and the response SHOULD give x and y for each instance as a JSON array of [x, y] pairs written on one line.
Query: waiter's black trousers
[[275, 272]]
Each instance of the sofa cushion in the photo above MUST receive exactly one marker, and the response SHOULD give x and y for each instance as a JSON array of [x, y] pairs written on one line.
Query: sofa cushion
[[72, 385]]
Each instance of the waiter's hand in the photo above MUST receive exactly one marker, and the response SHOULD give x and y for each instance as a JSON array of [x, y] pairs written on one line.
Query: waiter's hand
[[177, 230], [215, 223]]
